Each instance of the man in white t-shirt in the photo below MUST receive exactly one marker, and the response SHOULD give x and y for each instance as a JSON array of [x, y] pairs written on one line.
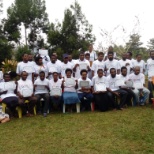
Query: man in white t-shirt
[[79, 65], [65, 64], [98, 64], [114, 90], [93, 55], [53, 66], [150, 68], [130, 57], [141, 94], [100, 97], [85, 91], [41, 88], [139, 62], [25, 90], [26, 66], [111, 63], [126, 62]]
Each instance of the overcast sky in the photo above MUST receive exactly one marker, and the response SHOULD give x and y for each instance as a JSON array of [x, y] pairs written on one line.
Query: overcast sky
[[108, 14]]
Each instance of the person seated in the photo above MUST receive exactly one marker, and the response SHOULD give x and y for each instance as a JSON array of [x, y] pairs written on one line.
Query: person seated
[[41, 88], [56, 100], [84, 90], [100, 96], [131, 94], [70, 95], [3, 116], [25, 93], [114, 90], [8, 93], [141, 93]]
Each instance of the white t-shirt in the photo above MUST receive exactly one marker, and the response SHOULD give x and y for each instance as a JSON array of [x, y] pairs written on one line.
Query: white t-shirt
[[69, 88], [111, 64], [150, 66], [64, 67], [53, 84], [39, 68], [53, 67], [124, 78], [79, 87], [77, 73], [140, 77], [40, 88], [97, 65], [93, 55], [111, 82], [24, 84], [10, 92], [45, 59], [28, 67], [1, 76], [124, 62], [141, 64]]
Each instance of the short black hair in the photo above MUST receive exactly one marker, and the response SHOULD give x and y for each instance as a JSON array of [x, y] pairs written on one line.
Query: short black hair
[[100, 53], [23, 72], [83, 71], [6, 74], [55, 73], [130, 53], [42, 72], [122, 68], [112, 69], [138, 55], [38, 58], [68, 70], [100, 69], [13, 74], [110, 53]]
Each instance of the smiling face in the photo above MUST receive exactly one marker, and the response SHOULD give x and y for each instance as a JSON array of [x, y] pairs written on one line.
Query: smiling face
[[7, 78]]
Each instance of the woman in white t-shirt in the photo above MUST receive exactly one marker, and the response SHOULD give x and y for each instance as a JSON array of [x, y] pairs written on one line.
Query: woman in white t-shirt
[[69, 86], [8, 90]]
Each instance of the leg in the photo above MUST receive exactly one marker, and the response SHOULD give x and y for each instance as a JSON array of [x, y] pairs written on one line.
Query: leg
[[146, 93], [46, 102], [111, 98], [38, 96], [136, 92], [151, 88], [31, 104]]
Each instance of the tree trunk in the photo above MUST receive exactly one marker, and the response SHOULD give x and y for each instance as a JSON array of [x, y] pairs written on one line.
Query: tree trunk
[[25, 36]]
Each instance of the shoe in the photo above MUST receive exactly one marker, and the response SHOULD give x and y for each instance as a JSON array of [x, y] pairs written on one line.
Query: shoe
[[45, 114], [142, 104]]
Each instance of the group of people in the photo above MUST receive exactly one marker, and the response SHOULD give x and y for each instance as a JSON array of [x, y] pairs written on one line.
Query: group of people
[[98, 79]]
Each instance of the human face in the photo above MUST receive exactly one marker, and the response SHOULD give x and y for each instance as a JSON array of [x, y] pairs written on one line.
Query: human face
[[152, 55], [42, 76], [128, 56], [138, 58], [25, 57], [84, 75], [7, 78], [30, 57], [110, 57], [68, 74], [124, 56], [124, 72], [53, 59], [100, 57], [55, 76], [40, 62], [87, 57], [113, 73], [137, 70], [65, 60], [24, 75], [100, 74], [81, 56], [69, 57], [90, 48]]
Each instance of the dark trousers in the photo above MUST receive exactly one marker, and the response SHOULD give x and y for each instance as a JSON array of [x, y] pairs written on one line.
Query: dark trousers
[[46, 98], [11, 103], [123, 98], [151, 88], [86, 99], [101, 100]]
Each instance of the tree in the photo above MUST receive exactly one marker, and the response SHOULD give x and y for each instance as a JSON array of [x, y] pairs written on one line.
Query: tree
[[74, 33], [30, 14], [151, 44]]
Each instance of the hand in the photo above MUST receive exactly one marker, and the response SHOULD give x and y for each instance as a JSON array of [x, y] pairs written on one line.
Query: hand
[[76, 65], [4, 92], [35, 86], [46, 87], [88, 67], [117, 94], [127, 64]]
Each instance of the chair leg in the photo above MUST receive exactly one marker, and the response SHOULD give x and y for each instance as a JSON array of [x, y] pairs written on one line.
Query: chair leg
[[3, 107], [92, 106], [78, 107], [63, 108], [19, 110], [35, 110]]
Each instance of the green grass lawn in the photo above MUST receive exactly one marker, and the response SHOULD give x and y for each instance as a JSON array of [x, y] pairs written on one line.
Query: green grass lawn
[[118, 132]]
